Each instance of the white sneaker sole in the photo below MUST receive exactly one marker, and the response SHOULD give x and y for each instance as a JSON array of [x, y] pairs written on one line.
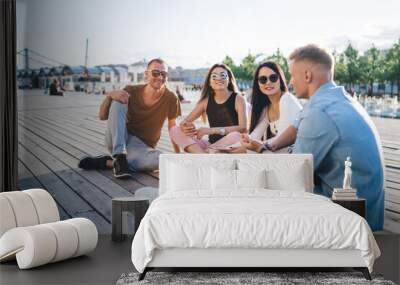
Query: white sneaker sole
[[124, 175]]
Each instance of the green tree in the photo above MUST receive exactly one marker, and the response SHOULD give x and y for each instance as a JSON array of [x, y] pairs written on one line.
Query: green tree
[[340, 73], [351, 60], [247, 67], [279, 58], [371, 67], [229, 62], [392, 65]]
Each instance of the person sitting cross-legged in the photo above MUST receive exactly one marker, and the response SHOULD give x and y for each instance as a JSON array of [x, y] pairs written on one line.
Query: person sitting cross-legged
[[225, 110]]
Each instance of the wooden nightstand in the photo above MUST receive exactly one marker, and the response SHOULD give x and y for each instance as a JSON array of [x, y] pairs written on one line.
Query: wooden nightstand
[[356, 205]]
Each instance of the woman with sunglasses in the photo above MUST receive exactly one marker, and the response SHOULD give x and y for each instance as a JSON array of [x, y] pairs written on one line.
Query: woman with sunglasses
[[273, 108], [225, 110]]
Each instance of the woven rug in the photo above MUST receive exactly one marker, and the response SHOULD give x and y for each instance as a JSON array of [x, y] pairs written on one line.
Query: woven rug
[[243, 278]]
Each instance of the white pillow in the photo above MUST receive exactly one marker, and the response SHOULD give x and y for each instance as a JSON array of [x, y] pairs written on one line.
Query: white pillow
[[293, 179], [281, 174], [186, 175], [251, 178], [225, 179]]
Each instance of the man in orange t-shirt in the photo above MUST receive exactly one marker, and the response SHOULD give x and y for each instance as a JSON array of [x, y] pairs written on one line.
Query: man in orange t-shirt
[[135, 116]]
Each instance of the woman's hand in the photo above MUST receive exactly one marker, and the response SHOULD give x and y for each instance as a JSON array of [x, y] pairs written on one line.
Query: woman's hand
[[188, 128], [201, 132], [250, 144], [270, 145]]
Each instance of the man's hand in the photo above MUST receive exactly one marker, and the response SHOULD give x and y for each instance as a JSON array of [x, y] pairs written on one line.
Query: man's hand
[[119, 95], [250, 144], [188, 128]]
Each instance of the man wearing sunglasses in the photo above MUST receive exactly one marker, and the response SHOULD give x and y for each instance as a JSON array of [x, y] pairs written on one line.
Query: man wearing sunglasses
[[135, 116]]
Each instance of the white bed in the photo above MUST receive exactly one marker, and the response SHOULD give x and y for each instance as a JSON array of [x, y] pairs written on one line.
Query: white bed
[[213, 212]]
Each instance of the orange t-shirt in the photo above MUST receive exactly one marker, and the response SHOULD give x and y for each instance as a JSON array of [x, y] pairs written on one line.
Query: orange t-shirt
[[146, 122]]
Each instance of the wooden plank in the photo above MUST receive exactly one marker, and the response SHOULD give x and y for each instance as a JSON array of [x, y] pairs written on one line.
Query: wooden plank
[[392, 215], [63, 214], [392, 185], [60, 191], [82, 120], [89, 192], [392, 175], [81, 138], [66, 147], [63, 125], [66, 198], [26, 179], [45, 133], [129, 185], [59, 121], [145, 179], [110, 188], [394, 207], [392, 226]]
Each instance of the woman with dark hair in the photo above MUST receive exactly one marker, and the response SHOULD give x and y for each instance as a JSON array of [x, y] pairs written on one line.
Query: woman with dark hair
[[273, 108], [225, 110]]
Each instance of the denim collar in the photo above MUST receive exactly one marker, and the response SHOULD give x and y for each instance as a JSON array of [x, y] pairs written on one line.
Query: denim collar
[[321, 90]]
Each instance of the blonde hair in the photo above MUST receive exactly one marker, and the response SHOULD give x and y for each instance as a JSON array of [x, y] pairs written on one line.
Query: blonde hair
[[314, 54]]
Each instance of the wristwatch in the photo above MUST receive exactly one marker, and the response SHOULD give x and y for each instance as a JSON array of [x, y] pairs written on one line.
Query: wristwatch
[[222, 131]]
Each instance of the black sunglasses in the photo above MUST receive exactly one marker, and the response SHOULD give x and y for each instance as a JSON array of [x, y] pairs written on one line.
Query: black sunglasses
[[156, 73], [264, 79]]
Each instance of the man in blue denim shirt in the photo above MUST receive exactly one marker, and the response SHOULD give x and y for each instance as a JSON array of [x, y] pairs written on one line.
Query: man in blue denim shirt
[[333, 126]]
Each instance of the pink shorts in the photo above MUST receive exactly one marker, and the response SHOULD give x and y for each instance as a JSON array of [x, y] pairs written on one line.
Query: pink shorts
[[184, 141]]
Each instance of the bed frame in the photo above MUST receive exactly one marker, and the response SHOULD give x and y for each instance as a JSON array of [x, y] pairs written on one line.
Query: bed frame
[[242, 259], [246, 259]]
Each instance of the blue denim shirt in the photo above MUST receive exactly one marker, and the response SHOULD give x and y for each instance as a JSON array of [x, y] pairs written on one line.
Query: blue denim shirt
[[333, 126]]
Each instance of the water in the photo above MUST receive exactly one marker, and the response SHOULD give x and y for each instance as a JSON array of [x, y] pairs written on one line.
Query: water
[[385, 106]]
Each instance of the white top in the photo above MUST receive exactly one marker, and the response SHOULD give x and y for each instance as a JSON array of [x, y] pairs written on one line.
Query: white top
[[273, 127], [289, 107]]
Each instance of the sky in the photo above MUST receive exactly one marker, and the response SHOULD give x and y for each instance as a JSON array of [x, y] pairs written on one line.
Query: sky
[[197, 33]]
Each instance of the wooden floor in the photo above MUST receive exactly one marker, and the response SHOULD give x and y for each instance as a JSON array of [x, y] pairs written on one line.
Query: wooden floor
[[55, 132]]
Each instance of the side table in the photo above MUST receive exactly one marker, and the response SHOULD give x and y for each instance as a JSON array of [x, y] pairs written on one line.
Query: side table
[[136, 205], [356, 205]]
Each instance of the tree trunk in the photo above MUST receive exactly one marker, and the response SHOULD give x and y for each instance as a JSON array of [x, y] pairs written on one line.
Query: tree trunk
[[371, 88], [391, 88]]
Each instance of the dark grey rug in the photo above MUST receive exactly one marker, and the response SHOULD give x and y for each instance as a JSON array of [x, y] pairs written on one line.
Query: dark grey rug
[[243, 278]]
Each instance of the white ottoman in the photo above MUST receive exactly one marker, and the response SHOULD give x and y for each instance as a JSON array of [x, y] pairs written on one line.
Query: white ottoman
[[31, 232]]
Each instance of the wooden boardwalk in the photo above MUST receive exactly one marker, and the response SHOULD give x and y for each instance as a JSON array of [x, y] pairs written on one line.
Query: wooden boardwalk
[[55, 132]]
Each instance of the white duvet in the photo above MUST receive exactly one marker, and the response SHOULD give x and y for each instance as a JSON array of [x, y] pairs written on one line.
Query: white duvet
[[253, 218]]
